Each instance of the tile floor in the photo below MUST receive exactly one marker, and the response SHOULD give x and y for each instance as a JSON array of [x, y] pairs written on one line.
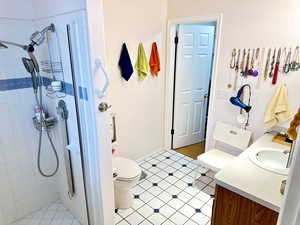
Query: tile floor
[[167, 196], [55, 214]]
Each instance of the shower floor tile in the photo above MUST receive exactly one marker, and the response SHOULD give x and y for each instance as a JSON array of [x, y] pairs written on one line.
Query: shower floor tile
[[55, 214], [167, 195]]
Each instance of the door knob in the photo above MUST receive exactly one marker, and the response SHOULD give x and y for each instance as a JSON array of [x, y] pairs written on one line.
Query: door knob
[[103, 107]]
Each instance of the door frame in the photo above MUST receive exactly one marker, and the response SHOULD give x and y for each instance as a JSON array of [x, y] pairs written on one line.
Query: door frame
[[170, 67]]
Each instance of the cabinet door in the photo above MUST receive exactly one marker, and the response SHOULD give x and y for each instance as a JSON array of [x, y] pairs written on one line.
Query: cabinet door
[[232, 209]]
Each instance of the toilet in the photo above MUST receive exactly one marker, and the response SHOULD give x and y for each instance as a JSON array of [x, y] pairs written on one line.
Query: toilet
[[127, 174]]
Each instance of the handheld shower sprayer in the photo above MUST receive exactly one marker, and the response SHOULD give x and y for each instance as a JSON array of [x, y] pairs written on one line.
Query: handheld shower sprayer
[[32, 66], [29, 66]]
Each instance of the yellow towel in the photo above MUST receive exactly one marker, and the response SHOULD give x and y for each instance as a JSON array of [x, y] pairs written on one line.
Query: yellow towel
[[279, 109], [141, 64]]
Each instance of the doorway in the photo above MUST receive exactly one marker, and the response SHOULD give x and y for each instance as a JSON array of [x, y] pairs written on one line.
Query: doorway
[[193, 60]]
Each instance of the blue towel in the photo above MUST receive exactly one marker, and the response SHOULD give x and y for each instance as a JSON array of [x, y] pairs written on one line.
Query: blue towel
[[125, 63]]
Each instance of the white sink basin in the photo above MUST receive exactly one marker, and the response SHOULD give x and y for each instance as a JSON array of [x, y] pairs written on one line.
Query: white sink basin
[[273, 160]]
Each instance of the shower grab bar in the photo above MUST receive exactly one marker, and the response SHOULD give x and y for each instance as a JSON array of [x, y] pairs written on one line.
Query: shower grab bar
[[64, 114], [99, 65]]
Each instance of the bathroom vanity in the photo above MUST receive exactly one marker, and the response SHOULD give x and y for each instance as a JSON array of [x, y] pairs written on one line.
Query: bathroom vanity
[[246, 193]]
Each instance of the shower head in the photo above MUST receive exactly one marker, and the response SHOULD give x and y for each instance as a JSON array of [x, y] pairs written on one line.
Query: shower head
[[38, 37], [3, 45]]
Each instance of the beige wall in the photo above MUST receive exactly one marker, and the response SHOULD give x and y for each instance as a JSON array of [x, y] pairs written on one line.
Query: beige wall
[[138, 104], [247, 24]]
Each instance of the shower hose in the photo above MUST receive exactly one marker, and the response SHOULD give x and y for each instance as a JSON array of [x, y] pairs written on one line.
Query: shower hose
[[39, 101]]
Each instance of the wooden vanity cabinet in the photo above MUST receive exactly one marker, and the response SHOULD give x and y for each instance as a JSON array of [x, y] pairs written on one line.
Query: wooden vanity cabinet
[[230, 208]]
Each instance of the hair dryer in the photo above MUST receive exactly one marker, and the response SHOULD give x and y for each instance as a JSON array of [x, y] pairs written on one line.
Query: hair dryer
[[237, 100]]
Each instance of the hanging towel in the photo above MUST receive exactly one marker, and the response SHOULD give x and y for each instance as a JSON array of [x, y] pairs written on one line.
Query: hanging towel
[[279, 109], [141, 64], [125, 63], [154, 60]]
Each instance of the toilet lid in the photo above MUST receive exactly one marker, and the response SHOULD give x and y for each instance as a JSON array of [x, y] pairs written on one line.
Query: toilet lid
[[126, 168]]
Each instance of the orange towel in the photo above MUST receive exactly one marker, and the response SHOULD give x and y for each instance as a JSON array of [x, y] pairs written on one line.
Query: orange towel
[[154, 60]]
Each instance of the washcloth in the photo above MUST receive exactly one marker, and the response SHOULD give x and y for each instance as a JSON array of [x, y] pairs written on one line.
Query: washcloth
[[141, 64], [154, 60], [279, 109], [125, 63]]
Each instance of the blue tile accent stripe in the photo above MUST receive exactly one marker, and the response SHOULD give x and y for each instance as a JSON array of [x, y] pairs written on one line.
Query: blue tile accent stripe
[[16, 83], [25, 82]]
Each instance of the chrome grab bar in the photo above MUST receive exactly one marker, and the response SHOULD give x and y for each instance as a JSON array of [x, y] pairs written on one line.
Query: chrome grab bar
[[63, 112]]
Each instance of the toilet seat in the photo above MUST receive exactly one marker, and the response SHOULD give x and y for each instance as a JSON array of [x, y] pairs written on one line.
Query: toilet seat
[[126, 169]]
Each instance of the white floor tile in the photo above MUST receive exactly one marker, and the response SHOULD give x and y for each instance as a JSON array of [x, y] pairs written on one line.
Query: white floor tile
[[207, 210], [195, 203], [161, 165], [203, 196], [192, 191], [200, 219], [124, 222], [178, 218], [181, 184], [137, 204], [187, 210], [205, 179], [145, 165], [190, 222], [145, 211], [168, 222], [173, 190], [156, 218], [164, 184], [209, 190], [118, 218], [153, 161], [167, 211], [162, 174], [175, 203], [137, 190], [156, 203], [153, 170], [125, 212], [145, 222], [199, 185], [146, 196], [171, 179], [188, 179], [185, 197], [176, 165], [155, 190], [170, 169], [165, 196], [179, 174], [134, 218], [154, 179], [145, 184]]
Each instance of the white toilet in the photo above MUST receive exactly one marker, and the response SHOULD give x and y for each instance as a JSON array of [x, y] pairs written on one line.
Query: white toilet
[[128, 174]]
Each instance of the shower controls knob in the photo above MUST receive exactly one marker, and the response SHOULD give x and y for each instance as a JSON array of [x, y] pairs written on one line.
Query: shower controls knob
[[103, 107]]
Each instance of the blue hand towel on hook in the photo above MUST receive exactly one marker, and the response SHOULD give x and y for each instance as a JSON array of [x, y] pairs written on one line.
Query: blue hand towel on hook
[[125, 63]]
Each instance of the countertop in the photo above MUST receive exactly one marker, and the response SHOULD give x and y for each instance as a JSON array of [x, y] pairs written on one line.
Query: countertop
[[250, 181]]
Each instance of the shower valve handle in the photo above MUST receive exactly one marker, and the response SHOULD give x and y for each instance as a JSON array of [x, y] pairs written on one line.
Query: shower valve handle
[[103, 107]]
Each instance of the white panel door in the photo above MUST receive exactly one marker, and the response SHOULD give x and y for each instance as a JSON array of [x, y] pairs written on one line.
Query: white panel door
[[194, 61]]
